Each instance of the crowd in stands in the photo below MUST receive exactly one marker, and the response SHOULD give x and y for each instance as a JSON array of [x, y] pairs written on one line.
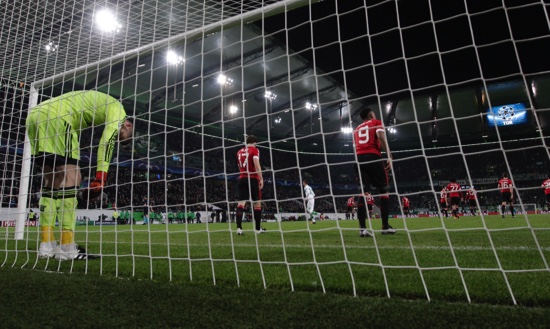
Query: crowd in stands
[[415, 174]]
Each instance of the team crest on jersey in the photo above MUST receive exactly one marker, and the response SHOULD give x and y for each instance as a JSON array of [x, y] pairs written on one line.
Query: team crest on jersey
[[42, 208]]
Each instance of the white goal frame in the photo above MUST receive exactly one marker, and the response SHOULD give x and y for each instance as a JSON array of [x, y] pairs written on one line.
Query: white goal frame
[[33, 101]]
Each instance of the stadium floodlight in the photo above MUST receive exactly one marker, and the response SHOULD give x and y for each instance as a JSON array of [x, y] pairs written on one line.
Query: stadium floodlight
[[173, 58], [392, 130], [51, 47], [270, 95], [278, 120], [106, 21], [224, 80], [233, 109], [311, 106], [347, 130]]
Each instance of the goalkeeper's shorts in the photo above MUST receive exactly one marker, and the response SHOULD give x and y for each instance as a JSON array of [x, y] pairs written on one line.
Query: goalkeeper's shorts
[[53, 140]]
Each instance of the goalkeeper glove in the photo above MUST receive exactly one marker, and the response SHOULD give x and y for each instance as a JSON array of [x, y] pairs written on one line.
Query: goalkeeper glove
[[100, 181], [96, 187]]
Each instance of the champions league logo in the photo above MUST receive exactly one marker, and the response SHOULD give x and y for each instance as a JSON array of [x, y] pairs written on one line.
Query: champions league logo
[[506, 114]]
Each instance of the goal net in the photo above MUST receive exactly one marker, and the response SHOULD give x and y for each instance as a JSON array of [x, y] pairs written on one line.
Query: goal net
[[461, 88]]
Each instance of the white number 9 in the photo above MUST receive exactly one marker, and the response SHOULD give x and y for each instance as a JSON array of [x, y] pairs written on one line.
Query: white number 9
[[363, 135]]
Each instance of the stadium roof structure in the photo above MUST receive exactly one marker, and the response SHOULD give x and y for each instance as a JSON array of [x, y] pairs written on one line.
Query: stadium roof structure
[[429, 72]]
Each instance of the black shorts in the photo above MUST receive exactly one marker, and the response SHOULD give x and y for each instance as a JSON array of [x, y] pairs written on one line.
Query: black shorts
[[350, 209], [472, 202], [372, 172], [548, 198], [506, 197], [443, 205], [455, 201], [249, 189], [369, 207], [405, 208], [53, 160]]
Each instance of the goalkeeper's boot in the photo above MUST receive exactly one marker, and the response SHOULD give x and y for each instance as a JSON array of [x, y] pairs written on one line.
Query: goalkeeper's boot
[[73, 251], [48, 249], [260, 231], [240, 231], [365, 234], [388, 230]]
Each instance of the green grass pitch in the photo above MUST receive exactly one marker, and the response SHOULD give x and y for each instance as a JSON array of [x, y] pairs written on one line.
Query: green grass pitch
[[484, 260]]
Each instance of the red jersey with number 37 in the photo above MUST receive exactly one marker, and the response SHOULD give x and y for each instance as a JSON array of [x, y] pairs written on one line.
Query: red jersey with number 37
[[405, 202], [365, 138], [546, 185], [245, 159], [454, 190]]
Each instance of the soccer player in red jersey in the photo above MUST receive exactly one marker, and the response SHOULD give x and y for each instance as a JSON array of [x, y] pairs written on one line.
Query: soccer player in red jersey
[[546, 186], [351, 204], [506, 191], [443, 201], [406, 203], [471, 196], [251, 183], [370, 204], [369, 138], [453, 189]]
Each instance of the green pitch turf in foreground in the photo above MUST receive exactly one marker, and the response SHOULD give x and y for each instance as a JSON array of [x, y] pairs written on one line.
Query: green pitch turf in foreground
[[487, 260]]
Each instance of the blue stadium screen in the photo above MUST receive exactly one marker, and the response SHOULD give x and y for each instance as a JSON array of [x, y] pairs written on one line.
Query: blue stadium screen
[[507, 115]]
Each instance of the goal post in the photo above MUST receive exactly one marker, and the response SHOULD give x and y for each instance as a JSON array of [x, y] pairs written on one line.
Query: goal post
[[200, 77], [35, 86]]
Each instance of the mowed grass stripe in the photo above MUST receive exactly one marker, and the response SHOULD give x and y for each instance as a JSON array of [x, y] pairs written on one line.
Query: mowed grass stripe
[[329, 256]]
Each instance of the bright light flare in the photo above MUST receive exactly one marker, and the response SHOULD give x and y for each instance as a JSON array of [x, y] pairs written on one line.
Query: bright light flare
[[106, 21], [173, 58]]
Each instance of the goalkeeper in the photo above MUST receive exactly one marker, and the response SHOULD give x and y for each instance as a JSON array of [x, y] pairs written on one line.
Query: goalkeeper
[[53, 127]]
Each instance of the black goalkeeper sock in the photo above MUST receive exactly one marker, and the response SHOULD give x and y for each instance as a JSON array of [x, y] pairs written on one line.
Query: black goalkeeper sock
[[512, 210], [503, 208]]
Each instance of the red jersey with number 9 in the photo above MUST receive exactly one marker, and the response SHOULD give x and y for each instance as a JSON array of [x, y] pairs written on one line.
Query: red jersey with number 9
[[245, 159], [365, 138]]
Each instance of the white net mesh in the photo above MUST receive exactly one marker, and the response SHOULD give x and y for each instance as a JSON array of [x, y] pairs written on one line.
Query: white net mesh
[[462, 88]]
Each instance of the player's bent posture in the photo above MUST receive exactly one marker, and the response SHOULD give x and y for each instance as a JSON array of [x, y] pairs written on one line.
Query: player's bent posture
[[443, 201], [369, 138], [53, 128], [454, 189], [251, 183], [406, 204], [471, 195], [310, 201], [506, 191], [546, 186]]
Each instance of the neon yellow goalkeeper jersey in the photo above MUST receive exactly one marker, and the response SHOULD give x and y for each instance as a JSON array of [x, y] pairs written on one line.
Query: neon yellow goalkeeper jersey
[[82, 109]]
